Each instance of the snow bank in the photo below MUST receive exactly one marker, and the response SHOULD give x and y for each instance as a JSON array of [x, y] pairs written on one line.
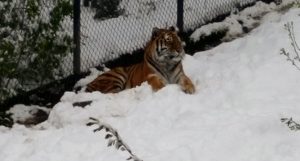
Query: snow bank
[[28, 114], [237, 23], [244, 88]]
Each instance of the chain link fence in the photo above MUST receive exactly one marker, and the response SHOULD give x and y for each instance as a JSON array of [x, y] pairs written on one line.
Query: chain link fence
[[105, 38], [197, 13], [128, 27], [108, 29]]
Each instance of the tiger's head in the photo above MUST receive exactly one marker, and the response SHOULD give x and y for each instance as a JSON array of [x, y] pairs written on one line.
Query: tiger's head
[[166, 46]]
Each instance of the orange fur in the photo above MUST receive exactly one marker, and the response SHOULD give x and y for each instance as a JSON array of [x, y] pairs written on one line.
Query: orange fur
[[161, 65]]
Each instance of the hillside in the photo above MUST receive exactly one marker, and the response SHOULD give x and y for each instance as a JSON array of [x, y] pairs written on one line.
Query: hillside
[[244, 87]]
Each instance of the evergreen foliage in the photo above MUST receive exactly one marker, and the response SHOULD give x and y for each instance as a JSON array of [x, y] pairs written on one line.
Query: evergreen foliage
[[33, 43], [105, 9]]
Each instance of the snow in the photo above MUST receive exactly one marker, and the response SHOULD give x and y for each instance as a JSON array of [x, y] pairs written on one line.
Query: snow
[[20, 113], [243, 89], [233, 25]]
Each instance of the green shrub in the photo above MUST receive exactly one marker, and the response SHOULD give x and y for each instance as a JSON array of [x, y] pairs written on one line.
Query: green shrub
[[33, 43], [106, 9], [5, 119]]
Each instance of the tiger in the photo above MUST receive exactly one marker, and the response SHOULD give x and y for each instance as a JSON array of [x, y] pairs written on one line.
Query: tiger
[[162, 65]]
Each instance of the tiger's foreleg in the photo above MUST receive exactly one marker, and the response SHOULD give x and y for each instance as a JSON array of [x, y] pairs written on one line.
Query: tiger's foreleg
[[186, 84], [155, 82]]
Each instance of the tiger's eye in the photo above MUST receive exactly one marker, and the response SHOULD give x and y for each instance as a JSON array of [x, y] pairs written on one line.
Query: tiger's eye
[[168, 38]]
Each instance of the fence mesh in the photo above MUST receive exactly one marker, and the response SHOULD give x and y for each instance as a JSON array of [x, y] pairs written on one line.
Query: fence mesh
[[198, 13], [105, 38], [108, 30]]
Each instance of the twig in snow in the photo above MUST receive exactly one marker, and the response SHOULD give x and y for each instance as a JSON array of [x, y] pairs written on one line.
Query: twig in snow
[[292, 60], [291, 124], [113, 137], [295, 60]]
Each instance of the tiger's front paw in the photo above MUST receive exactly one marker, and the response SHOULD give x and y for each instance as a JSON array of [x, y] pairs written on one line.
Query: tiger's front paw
[[155, 82], [187, 86]]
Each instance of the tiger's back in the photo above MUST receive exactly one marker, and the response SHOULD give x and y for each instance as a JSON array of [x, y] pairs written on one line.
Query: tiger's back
[[117, 79], [161, 65]]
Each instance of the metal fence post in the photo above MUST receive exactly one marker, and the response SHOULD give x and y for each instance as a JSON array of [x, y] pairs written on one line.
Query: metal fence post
[[180, 15], [76, 36]]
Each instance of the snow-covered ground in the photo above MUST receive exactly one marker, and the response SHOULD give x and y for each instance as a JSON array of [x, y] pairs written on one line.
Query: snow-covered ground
[[244, 88], [236, 23]]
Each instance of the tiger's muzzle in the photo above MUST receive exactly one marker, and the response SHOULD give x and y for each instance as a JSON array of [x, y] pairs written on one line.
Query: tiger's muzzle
[[174, 56]]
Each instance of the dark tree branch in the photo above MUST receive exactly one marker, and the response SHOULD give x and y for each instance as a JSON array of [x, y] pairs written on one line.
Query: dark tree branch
[[113, 137], [295, 58], [291, 124]]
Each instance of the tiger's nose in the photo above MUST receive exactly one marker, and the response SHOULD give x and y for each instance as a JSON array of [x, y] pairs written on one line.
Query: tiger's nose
[[171, 56], [180, 50]]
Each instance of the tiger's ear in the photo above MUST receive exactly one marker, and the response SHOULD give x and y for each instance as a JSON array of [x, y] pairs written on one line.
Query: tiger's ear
[[174, 29], [155, 32]]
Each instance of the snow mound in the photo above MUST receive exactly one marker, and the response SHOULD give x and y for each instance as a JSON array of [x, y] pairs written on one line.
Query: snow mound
[[244, 88], [238, 23], [28, 114]]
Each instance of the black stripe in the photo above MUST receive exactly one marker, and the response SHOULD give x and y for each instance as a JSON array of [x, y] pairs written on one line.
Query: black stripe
[[117, 83], [179, 72], [111, 81], [175, 66], [131, 73], [157, 47], [121, 74], [113, 76], [152, 63], [109, 89]]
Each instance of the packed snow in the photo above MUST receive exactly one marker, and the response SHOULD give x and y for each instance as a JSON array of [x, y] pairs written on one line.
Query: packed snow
[[244, 88], [22, 113], [236, 23]]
